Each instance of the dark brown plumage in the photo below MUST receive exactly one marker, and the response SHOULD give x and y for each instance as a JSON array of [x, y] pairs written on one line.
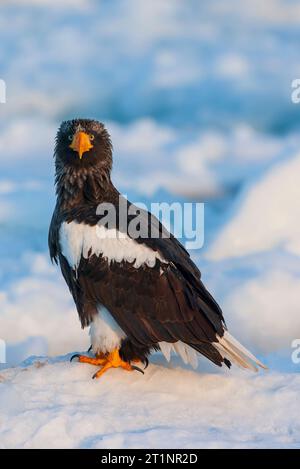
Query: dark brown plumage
[[164, 303]]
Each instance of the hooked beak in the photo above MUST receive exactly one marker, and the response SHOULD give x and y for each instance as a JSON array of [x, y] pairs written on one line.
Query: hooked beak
[[81, 143]]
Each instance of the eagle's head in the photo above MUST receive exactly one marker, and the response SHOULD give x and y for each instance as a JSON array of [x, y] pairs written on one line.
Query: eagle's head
[[83, 144]]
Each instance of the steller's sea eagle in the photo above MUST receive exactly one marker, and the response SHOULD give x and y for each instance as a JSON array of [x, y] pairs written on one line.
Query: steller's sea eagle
[[138, 294]]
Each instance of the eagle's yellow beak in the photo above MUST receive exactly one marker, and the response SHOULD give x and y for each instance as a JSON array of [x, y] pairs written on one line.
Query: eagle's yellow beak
[[81, 143]]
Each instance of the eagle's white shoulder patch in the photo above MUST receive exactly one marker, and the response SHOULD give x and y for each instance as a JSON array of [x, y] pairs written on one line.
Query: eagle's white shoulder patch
[[79, 239]]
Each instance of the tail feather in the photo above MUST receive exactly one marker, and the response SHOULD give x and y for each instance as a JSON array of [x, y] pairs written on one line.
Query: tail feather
[[226, 350], [231, 349], [187, 353]]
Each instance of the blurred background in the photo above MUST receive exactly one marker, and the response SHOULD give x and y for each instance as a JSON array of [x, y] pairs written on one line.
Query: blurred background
[[197, 98]]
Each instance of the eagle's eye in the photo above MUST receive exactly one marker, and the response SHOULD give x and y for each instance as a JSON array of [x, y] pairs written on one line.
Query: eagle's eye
[[70, 137], [92, 137]]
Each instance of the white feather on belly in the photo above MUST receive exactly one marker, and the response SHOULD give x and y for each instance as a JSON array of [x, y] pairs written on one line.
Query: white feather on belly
[[79, 239], [105, 333]]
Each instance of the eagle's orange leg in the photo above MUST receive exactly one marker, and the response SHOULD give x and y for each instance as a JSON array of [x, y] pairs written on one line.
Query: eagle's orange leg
[[111, 360]]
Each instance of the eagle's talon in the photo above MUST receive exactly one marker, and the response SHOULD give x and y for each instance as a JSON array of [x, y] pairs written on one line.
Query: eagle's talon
[[107, 361], [146, 363], [137, 369], [74, 356]]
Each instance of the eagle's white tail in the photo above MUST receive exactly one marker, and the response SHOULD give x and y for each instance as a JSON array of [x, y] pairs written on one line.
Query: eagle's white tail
[[231, 349]]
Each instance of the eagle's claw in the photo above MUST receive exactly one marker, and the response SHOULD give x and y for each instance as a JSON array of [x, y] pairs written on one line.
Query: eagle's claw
[[107, 361], [146, 363], [137, 369], [74, 356]]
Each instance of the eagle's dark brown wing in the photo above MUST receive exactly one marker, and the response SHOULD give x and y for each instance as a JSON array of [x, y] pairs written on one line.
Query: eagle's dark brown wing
[[151, 305], [167, 302]]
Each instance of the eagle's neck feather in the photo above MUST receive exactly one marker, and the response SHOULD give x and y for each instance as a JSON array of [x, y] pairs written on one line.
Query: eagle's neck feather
[[81, 186]]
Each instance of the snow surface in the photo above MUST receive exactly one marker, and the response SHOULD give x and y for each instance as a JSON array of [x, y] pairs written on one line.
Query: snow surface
[[51, 403]]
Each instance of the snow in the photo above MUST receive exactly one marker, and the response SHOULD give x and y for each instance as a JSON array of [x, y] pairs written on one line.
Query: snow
[[266, 300], [268, 216], [52, 403], [30, 302], [202, 165]]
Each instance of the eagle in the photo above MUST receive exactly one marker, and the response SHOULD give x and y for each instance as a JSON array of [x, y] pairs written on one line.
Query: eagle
[[138, 293]]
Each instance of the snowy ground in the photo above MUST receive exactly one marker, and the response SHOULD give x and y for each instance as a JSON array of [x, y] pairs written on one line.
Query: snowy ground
[[196, 96], [54, 404]]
